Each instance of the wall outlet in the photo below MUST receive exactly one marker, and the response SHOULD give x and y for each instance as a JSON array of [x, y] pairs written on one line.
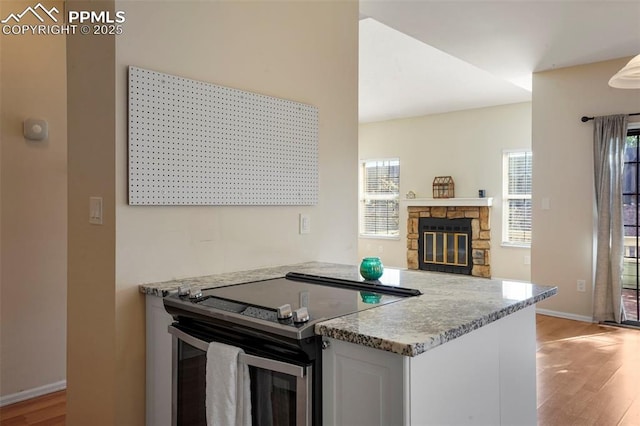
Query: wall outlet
[[527, 260], [546, 204], [303, 297], [582, 285]]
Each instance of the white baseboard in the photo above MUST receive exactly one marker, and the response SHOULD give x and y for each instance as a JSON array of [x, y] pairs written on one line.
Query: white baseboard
[[564, 315], [32, 393]]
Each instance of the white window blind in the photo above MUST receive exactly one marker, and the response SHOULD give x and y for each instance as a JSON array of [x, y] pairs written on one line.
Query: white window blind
[[517, 198], [379, 197]]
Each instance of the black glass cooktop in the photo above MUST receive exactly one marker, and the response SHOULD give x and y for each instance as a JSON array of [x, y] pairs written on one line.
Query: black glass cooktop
[[256, 304]]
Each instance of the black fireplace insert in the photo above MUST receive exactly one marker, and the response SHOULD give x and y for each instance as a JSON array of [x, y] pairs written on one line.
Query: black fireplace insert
[[444, 245]]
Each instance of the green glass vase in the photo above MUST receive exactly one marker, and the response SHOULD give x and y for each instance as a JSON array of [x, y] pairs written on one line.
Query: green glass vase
[[371, 268]]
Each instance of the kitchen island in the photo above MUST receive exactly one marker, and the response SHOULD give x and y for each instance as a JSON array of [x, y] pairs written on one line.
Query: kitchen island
[[461, 353]]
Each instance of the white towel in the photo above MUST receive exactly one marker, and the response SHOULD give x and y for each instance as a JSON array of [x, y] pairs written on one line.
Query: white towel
[[228, 387]]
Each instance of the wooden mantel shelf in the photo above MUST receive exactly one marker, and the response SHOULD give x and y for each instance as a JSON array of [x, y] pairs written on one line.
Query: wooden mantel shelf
[[448, 202]]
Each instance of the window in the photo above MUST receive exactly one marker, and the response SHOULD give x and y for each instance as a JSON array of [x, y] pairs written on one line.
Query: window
[[631, 214], [516, 222], [379, 198]]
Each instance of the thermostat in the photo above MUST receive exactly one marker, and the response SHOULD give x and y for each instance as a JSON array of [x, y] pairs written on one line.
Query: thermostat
[[36, 129]]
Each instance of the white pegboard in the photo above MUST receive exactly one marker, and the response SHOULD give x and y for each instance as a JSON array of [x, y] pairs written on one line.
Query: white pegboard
[[196, 143]]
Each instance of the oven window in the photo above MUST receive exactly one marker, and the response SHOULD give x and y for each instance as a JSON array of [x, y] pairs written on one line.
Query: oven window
[[273, 394], [273, 398], [192, 364]]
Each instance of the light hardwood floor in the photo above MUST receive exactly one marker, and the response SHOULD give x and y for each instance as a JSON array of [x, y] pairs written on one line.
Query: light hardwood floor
[[47, 410], [588, 374]]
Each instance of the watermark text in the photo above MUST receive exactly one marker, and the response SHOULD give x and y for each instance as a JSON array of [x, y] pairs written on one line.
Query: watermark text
[[52, 22]]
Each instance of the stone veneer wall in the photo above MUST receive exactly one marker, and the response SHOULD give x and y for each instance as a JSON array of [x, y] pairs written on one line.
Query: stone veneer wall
[[480, 234]]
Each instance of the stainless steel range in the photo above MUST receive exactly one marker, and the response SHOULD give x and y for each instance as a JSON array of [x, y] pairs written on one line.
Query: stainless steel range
[[272, 321]]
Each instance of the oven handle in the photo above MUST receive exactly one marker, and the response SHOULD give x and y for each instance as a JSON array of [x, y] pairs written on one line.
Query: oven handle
[[255, 361]]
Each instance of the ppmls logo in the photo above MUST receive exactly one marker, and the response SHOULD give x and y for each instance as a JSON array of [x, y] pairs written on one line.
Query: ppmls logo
[[34, 11], [82, 21]]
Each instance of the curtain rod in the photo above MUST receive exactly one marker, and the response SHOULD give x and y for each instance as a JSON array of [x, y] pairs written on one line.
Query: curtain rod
[[584, 118]]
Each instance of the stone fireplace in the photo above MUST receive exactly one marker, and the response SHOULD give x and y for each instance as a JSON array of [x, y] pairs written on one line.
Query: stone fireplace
[[442, 245]]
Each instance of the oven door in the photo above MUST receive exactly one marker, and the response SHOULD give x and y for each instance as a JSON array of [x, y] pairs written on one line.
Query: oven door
[[281, 393]]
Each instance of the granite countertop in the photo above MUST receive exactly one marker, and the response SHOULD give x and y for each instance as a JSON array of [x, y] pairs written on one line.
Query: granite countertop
[[450, 306]]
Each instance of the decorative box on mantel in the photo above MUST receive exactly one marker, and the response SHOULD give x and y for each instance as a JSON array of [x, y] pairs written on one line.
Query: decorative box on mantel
[[476, 209], [443, 187]]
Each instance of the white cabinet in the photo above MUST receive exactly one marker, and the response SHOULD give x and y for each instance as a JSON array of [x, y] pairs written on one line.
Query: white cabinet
[[486, 377], [362, 386], [158, 400]]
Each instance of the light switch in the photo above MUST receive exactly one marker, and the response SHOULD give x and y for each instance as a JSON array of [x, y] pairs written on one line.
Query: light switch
[[305, 223], [95, 210]]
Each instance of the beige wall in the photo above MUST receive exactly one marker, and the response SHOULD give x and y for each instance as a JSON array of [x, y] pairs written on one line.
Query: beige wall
[[33, 227], [264, 47], [563, 236], [304, 51], [466, 145], [91, 366]]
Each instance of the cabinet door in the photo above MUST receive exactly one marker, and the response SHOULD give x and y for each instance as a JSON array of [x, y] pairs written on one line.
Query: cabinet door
[[362, 386]]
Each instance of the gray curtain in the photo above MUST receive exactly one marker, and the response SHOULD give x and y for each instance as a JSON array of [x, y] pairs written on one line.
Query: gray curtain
[[609, 134]]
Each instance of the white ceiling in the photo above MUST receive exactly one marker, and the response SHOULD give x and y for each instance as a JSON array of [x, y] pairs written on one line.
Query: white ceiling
[[428, 57]]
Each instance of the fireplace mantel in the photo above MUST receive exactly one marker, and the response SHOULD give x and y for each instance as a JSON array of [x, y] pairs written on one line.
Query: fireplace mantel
[[448, 202]]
